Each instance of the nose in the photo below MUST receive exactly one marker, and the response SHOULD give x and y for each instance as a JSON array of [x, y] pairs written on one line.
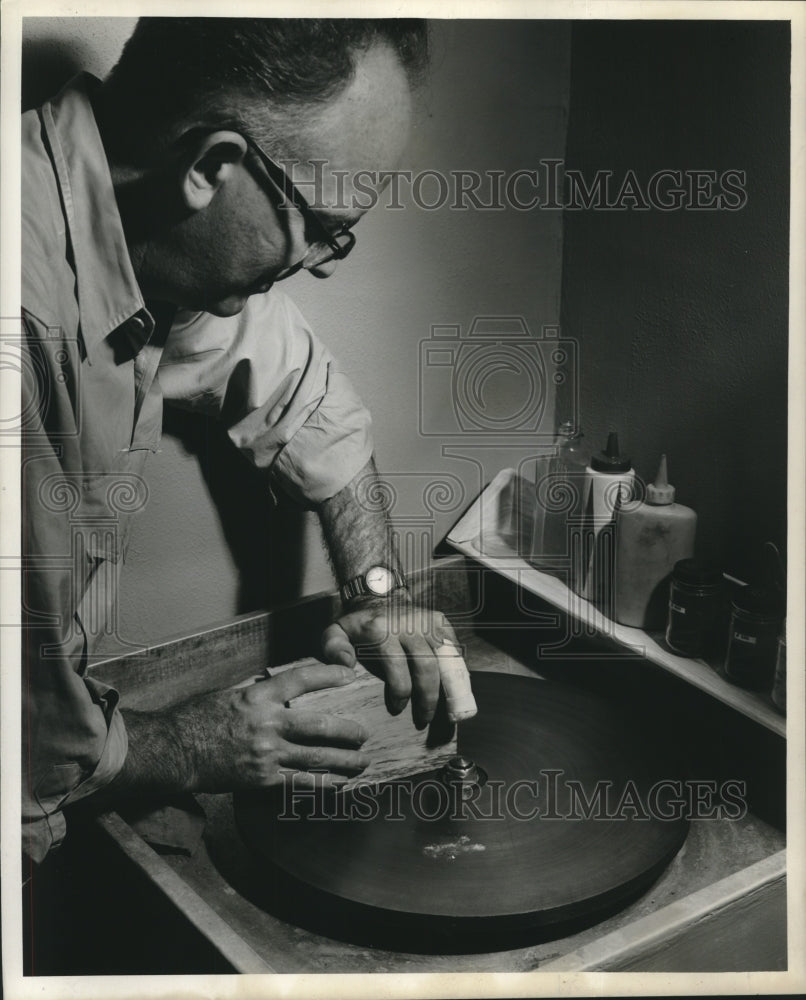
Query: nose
[[323, 270]]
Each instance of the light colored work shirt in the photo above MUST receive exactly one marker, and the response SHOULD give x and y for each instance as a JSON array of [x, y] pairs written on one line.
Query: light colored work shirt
[[97, 365]]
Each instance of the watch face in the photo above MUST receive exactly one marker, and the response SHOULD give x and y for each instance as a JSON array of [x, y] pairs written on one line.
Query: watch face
[[379, 580]]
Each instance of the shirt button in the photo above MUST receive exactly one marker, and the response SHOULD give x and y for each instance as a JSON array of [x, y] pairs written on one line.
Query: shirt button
[[137, 324]]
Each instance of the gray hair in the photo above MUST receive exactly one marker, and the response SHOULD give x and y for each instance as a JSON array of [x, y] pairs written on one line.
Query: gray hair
[[264, 76]]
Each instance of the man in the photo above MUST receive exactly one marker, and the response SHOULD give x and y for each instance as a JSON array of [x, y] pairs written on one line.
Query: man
[[156, 221]]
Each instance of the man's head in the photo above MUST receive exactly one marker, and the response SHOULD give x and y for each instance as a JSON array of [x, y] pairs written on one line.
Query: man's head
[[181, 114]]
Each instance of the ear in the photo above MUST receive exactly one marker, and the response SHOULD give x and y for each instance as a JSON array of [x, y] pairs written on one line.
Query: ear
[[214, 159]]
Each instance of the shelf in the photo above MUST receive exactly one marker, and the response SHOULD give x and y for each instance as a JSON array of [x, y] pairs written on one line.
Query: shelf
[[488, 533]]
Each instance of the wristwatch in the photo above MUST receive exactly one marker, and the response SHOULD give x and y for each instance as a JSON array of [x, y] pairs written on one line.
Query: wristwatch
[[378, 581]]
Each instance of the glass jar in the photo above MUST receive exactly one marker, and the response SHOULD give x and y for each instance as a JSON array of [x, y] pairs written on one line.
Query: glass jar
[[755, 624], [695, 603], [559, 484]]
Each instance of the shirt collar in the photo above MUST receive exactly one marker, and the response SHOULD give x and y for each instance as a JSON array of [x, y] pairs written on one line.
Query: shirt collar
[[108, 294]]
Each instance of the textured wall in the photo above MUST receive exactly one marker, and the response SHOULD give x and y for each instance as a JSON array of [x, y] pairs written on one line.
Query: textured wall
[[209, 544], [682, 315]]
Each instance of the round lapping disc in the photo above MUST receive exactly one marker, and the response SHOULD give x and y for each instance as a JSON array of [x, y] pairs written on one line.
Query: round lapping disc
[[574, 821]]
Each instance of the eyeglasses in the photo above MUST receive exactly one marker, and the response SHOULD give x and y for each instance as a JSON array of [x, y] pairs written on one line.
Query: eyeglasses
[[326, 246]]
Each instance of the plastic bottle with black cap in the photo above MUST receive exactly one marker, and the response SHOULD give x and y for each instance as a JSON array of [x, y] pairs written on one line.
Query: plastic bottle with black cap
[[608, 484]]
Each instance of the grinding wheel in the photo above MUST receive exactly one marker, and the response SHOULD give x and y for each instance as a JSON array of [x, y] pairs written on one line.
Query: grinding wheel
[[459, 866]]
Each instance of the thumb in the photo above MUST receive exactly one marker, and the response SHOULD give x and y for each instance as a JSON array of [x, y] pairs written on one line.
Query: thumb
[[336, 646]]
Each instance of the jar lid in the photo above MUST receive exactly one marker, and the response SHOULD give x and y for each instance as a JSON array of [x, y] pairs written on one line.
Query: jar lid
[[759, 601], [697, 573], [569, 429]]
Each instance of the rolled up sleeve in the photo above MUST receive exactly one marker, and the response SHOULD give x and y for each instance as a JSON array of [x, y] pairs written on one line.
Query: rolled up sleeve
[[284, 401], [75, 755]]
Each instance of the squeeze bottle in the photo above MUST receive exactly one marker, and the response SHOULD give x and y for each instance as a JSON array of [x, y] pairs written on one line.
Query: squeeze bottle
[[608, 483], [650, 538]]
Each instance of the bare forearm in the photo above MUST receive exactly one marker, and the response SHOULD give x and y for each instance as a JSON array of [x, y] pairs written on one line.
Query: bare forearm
[[356, 527], [241, 738], [193, 747], [160, 756]]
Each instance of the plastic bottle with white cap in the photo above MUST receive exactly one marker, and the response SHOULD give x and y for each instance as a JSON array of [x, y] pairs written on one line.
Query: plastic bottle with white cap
[[650, 538]]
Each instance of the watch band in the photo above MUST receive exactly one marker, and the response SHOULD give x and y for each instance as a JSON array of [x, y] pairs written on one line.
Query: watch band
[[357, 587]]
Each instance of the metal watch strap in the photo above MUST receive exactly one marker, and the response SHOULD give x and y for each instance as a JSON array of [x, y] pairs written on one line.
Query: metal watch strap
[[357, 587]]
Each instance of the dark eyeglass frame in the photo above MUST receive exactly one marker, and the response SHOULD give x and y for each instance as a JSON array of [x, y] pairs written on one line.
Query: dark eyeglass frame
[[339, 243]]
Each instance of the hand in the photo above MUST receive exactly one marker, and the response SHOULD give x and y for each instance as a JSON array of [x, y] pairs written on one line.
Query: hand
[[397, 641], [251, 738]]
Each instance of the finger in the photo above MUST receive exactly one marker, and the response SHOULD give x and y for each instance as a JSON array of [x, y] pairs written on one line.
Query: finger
[[446, 633], [313, 779], [439, 631], [304, 758], [316, 729], [313, 677], [455, 678], [391, 663], [424, 671], [336, 646]]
